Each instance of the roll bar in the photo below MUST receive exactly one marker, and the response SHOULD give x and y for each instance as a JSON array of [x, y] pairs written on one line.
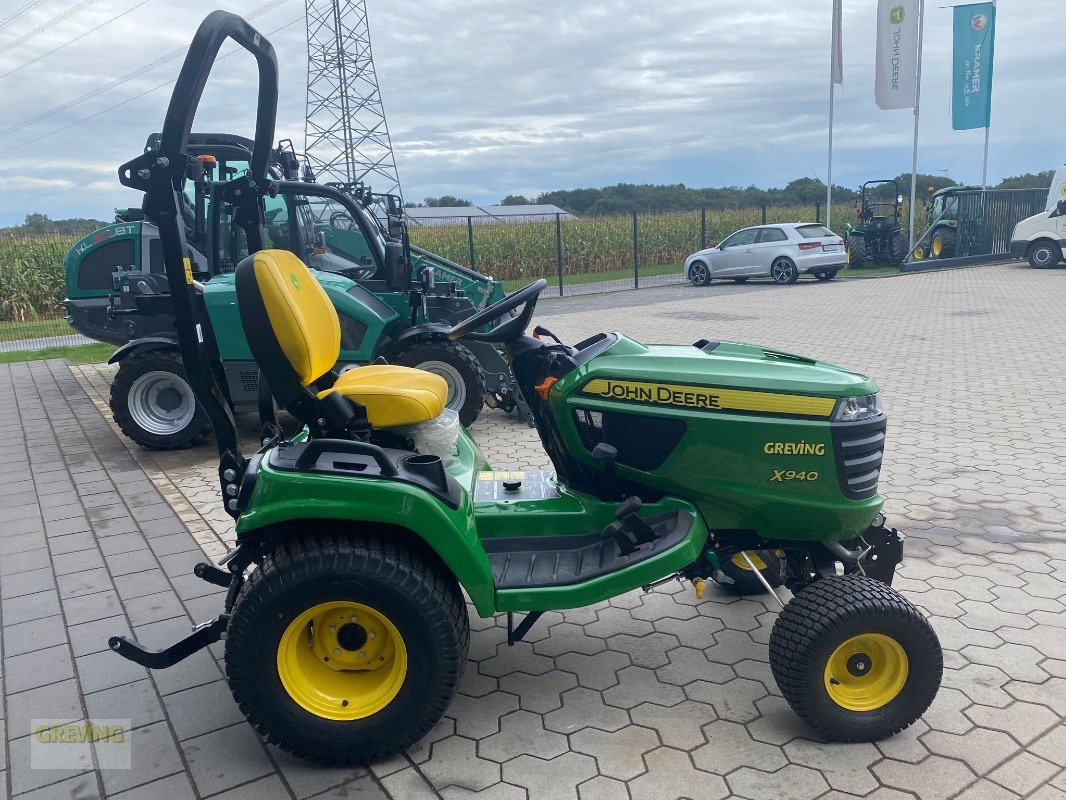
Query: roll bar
[[161, 175]]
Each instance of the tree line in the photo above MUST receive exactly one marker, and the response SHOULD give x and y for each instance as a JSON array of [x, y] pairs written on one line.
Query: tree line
[[624, 197]]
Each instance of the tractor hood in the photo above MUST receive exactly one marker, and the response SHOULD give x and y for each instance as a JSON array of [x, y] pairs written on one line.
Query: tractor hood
[[728, 365]]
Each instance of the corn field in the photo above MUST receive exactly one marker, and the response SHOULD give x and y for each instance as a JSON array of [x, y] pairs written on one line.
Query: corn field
[[32, 283]]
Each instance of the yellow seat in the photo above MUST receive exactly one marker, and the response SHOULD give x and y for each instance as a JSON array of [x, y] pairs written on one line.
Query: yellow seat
[[393, 395], [294, 333]]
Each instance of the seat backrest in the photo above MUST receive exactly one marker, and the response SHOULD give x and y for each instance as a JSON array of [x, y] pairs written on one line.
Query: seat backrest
[[291, 326]]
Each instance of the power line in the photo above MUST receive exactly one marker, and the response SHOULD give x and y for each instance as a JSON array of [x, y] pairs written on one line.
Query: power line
[[131, 99], [18, 12], [46, 25], [76, 38], [133, 74]]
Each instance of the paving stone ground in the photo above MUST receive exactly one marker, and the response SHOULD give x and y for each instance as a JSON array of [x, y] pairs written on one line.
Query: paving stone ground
[[652, 695]]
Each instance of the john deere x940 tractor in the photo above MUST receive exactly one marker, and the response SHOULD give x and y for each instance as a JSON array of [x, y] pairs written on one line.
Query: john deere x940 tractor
[[359, 536], [397, 310], [878, 233]]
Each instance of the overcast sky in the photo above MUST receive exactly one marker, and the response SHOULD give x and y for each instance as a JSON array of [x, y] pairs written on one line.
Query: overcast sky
[[488, 98]]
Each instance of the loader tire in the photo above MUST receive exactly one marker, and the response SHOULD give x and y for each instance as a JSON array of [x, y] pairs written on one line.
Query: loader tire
[[154, 405], [459, 368]]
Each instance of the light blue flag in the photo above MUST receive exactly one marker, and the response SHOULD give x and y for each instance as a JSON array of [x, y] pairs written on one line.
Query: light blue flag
[[971, 82]]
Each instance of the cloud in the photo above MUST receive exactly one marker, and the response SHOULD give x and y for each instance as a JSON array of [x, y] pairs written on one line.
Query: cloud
[[489, 97]]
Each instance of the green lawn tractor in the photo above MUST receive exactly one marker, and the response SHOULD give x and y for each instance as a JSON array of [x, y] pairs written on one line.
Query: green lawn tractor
[[942, 238], [361, 537], [117, 292], [878, 234]]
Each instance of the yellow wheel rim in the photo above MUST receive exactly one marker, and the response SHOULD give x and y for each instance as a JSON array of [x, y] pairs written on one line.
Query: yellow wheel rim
[[738, 561], [919, 253], [342, 660], [866, 672], [938, 246]]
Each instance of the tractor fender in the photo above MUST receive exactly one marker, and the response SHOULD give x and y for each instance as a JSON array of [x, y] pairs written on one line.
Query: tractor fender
[[285, 504], [425, 332], [142, 345]]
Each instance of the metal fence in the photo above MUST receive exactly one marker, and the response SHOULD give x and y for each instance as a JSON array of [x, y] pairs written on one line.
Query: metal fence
[[592, 252], [579, 255]]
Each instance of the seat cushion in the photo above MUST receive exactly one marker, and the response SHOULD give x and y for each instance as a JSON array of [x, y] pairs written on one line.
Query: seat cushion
[[393, 395], [299, 314]]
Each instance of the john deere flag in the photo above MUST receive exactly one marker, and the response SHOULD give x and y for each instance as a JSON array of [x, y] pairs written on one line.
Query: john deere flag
[[897, 53], [971, 80]]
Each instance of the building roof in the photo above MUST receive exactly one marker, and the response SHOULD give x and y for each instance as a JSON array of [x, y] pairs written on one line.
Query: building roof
[[457, 215]]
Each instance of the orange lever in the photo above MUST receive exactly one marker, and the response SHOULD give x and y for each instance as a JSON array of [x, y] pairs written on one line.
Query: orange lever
[[545, 387]]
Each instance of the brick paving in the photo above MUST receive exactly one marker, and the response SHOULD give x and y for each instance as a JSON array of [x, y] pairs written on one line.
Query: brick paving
[[649, 696]]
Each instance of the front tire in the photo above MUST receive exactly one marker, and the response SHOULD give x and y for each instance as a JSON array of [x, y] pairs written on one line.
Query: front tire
[[855, 659], [460, 370], [767, 562], [154, 405], [1044, 254], [699, 273], [392, 620], [783, 271]]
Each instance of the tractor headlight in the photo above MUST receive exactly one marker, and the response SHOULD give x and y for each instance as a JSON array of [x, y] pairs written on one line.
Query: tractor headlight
[[853, 409]]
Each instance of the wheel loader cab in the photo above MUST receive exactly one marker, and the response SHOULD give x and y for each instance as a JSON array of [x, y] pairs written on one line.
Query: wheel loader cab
[[294, 335]]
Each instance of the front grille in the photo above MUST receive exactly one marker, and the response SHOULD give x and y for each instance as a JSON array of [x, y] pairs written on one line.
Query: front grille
[[859, 448]]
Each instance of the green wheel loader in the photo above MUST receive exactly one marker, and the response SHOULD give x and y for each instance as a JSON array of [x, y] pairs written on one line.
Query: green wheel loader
[[398, 310], [360, 536]]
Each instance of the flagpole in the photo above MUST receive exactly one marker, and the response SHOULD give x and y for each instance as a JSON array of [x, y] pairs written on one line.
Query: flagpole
[[984, 164], [917, 105], [829, 169]]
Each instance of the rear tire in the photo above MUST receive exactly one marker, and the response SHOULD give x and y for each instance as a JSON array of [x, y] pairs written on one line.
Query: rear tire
[[1044, 254], [783, 271], [154, 405], [856, 252], [899, 247], [943, 244], [277, 649], [699, 273], [855, 659], [457, 365]]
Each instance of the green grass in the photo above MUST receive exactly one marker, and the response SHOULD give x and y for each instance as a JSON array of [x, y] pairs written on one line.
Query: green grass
[[34, 329], [869, 269], [75, 354], [597, 277]]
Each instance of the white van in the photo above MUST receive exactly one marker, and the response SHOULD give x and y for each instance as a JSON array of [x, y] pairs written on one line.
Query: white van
[[1041, 238]]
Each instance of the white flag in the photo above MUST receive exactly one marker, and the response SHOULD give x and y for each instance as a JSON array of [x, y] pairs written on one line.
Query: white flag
[[837, 71], [897, 53]]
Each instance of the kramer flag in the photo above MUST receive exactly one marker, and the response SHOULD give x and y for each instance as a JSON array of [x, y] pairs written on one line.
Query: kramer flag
[[971, 81], [896, 66]]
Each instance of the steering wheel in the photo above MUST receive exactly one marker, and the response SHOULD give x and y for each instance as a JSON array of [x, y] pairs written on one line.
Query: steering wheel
[[340, 221], [505, 331]]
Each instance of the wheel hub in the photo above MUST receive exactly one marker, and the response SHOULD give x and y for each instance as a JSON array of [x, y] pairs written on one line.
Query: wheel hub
[[342, 660], [866, 672], [161, 403]]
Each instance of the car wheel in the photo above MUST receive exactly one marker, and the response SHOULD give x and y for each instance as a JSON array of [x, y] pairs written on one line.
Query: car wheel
[[1044, 254], [827, 275], [699, 273], [783, 271], [740, 280]]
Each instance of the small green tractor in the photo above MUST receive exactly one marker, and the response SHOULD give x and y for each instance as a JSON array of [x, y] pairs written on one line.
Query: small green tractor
[[878, 234], [365, 538], [117, 292], [942, 236]]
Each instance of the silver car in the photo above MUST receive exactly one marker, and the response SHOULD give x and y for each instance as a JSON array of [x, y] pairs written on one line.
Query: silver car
[[782, 252]]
